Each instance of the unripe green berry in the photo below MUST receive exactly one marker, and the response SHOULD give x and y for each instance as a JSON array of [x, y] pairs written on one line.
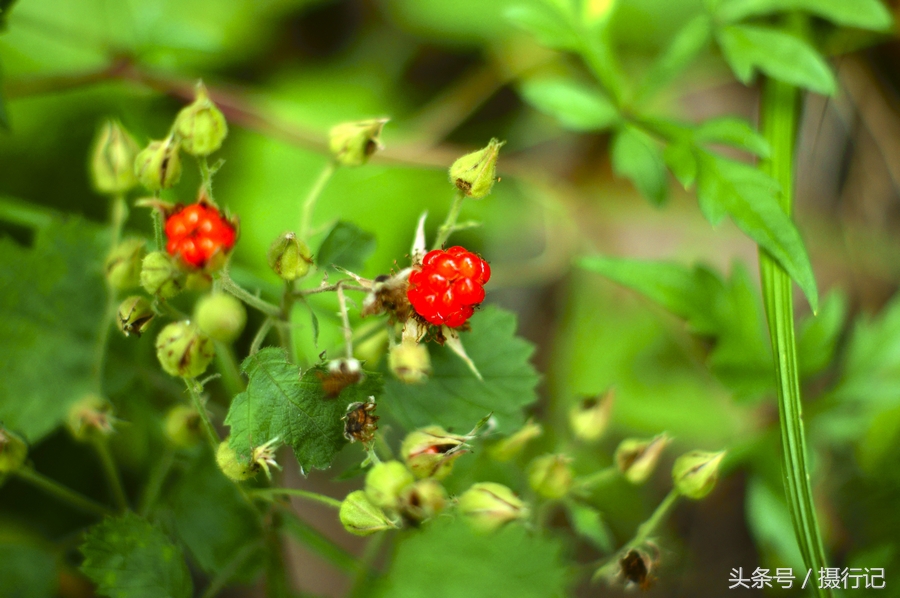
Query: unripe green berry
[[696, 472], [360, 517], [410, 362], [231, 466], [183, 350], [112, 159], [385, 481], [13, 452], [352, 143], [220, 316], [201, 125], [134, 315], [431, 451], [182, 426], [158, 166], [474, 174], [289, 257], [123, 265], [550, 476], [487, 506], [422, 500], [161, 276]]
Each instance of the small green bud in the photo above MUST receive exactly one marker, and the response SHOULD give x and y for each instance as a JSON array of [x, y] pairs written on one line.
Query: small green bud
[[123, 265], [183, 350], [289, 257], [182, 426], [589, 419], [410, 362], [385, 481], [220, 316], [201, 125], [360, 517], [422, 500], [512, 445], [90, 418], [487, 506], [161, 276], [431, 451], [134, 315], [13, 452], [158, 166], [696, 472], [474, 174], [112, 159], [636, 459], [550, 475], [231, 466], [352, 143]]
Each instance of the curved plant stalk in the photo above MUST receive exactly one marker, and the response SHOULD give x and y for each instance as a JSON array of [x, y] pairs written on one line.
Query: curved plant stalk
[[779, 112]]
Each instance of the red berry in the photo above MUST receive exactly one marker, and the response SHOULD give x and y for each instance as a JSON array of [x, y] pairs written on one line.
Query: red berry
[[447, 286], [197, 232]]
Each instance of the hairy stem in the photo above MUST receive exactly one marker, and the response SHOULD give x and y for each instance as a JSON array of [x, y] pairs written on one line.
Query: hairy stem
[[226, 361], [76, 500], [449, 224], [229, 286], [261, 335], [345, 319], [271, 493], [313, 196], [210, 432]]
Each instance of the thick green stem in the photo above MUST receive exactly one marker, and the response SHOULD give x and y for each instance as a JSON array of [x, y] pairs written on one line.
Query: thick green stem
[[112, 473], [82, 503], [449, 224], [780, 111], [229, 286], [311, 198], [209, 431], [271, 493]]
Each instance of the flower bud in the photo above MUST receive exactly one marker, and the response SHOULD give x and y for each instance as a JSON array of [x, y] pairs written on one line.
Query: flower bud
[[589, 419], [410, 362], [422, 500], [158, 166], [220, 316], [112, 159], [123, 265], [361, 517], [385, 481], [474, 174], [182, 426], [431, 451], [90, 418], [352, 143], [289, 257], [201, 125], [232, 466], [161, 276], [696, 472], [134, 315], [550, 475], [487, 506], [511, 446], [13, 452], [636, 459], [183, 350]]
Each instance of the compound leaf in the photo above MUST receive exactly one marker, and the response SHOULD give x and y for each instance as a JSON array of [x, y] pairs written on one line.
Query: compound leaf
[[636, 156], [575, 106]]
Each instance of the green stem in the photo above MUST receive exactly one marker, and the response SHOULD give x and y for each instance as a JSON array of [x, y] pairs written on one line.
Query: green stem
[[318, 542], [780, 110], [226, 361], [365, 573], [205, 175], [449, 225], [80, 502], [112, 473], [261, 335], [155, 481], [271, 493], [227, 572], [313, 196], [287, 307], [211, 435], [229, 286], [158, 224], [598, 478], [117, 216]]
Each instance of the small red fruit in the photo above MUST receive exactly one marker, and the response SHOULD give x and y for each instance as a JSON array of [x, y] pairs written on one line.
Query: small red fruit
[[447, 286], [197, 232]]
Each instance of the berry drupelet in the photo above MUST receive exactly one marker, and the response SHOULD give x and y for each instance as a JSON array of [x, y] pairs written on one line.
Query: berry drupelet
[[197, 232], [447, 286]]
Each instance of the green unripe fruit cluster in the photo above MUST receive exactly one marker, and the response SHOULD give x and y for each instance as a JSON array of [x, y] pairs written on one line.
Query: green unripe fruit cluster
[[158, 166], [474, 174]]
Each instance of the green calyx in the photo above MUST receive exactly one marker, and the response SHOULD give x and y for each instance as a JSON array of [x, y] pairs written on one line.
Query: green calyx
[[475, 174], [201, 126], [112, 159], [289, 257], [158, 166]]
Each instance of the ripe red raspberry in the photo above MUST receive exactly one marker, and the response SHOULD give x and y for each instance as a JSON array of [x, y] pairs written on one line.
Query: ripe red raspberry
[[197, 232], [447, 286]]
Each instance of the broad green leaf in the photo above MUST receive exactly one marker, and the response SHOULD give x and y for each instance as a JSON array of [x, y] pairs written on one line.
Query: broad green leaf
[[575, 106], [637, 156], [347, 246], [128, 557], [281, 404], [865, 14], [454, 398], [735, 132], [27, 571], [681, 161], [548, 25], [588, 523], [688, 43], [748, 196], [818, 335], [777, 54], [52, 302], [448, 560], [207, 513]]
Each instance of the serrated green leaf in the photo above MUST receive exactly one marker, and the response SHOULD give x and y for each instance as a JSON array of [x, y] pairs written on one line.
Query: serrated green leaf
[[454, 398], [547, 25], [27, 571], [281, 404], [637, 156], [748, 196], [347, 246], [128, 557], [735, 132], [210, 517], [52, 301], [865, 14], [777, 54], [688, 42], [448, 560], [575, 106]]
